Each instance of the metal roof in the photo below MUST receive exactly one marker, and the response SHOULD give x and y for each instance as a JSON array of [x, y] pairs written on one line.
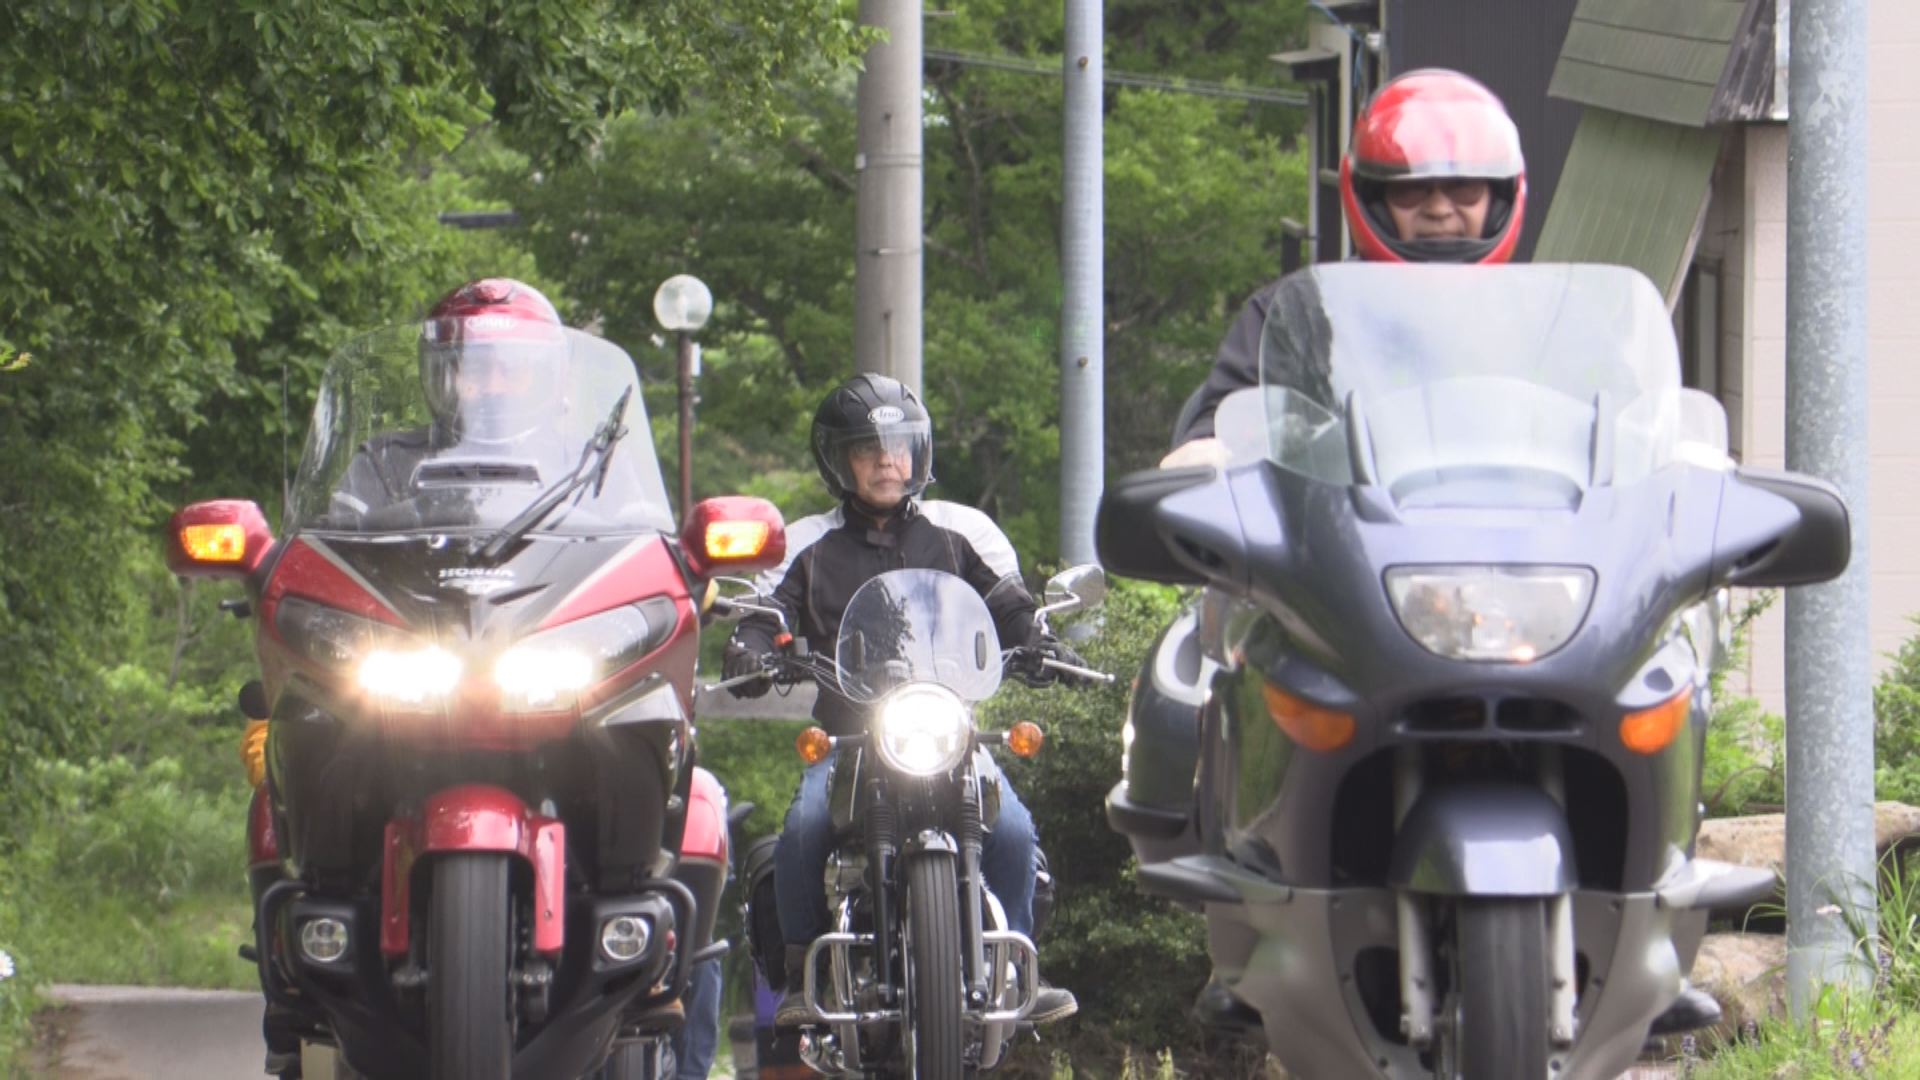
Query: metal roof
[[1688, 62]]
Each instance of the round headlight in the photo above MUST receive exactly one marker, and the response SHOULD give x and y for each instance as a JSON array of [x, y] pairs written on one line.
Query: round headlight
[[923, 730]]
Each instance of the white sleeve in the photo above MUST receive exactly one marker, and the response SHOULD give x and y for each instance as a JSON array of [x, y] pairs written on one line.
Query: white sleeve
[[801, 535], [988, 541]]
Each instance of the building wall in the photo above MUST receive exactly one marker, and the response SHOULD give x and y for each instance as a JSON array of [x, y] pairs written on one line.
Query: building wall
[[1893, 337]]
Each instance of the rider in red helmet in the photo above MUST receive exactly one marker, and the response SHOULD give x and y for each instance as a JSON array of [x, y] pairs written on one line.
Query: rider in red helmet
[[1433, 173], [493, 369]]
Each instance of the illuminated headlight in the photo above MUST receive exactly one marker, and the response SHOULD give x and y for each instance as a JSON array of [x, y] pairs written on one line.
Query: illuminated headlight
[[548, 671], [923, 730], [410, 676], [1512, 614], [543, 678]]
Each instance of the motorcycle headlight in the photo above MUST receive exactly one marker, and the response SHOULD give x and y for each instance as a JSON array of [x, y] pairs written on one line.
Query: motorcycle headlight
[[1511, 614], [548, 671], [386, 662], [923, 730]]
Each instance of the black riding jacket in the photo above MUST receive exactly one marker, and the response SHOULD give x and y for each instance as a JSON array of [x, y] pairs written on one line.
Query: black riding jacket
[[829, 556]]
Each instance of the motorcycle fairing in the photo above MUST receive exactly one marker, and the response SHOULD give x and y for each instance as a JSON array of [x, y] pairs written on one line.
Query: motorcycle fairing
[[475, 817]]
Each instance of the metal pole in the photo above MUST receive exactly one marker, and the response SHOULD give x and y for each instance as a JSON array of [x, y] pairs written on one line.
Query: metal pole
[[686, 424], [887, 216], [1082, 311], [1830, 855]]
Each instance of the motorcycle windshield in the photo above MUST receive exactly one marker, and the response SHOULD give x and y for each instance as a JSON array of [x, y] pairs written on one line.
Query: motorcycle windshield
[[1510, 386], [411, 434], [917, 626]]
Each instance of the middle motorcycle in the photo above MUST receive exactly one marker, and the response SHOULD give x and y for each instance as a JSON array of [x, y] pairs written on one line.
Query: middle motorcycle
[[920, 975], [1428, 752]]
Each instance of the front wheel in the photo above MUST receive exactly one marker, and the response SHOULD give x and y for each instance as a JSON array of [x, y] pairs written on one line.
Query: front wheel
[[469, 935], [934, 1019], [1500, 995]]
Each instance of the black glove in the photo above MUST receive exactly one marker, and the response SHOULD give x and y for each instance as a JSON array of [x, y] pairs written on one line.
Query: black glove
[[1029, 667], [740, 660], [1059, 650]]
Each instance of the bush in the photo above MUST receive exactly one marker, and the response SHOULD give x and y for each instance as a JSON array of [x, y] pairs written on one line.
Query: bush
[[1135, 961], [1896, 726]]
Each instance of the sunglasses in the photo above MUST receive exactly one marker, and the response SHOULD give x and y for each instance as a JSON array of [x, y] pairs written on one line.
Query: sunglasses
[[1409, 194]]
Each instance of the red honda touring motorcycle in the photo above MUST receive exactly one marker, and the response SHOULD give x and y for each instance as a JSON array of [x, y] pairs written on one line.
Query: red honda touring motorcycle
[[482, 849]]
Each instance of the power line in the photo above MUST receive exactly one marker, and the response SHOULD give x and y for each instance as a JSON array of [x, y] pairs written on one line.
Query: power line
[[1291, 98]]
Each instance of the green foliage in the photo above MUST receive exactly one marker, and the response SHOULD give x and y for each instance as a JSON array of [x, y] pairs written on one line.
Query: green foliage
[[1136, 962], [197, 202], [1195, 192], [1896, 730]]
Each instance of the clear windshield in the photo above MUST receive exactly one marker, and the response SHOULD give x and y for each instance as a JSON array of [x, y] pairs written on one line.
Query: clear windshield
[[917, 626], [448, 438], [1472, 386]]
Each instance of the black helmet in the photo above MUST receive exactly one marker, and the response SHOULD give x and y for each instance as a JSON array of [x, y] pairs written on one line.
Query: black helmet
[[865, 413]]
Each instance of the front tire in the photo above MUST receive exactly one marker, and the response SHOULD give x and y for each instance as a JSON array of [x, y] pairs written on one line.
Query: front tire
[[1501, 989], [934, 1016], [469, 959]]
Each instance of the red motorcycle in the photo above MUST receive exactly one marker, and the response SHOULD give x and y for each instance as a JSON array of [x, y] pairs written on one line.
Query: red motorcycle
[[482, 849]]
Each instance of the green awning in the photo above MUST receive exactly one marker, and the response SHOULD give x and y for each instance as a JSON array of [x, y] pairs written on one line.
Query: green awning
[[1631, 193]]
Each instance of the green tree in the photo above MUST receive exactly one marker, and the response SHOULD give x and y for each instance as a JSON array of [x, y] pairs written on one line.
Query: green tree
[[197, 196], [1196, 189]]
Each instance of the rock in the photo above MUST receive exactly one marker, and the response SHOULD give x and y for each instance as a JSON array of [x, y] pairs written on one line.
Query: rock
[[1761, 839], [1747, 975]]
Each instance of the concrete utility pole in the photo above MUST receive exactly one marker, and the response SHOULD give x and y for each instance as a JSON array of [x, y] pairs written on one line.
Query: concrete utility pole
[[1083, 272], [1830, 862], [887, 223]]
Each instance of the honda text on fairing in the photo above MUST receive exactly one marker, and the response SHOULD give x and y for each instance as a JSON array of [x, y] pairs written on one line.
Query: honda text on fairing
[[921, 975], [482, 849], [1427, 755]]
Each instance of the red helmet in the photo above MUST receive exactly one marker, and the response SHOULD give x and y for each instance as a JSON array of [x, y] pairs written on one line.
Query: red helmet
[[493, 358], [1433, 124]]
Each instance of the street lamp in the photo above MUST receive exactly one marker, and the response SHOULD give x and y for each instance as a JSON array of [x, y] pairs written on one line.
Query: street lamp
[[682, 304]]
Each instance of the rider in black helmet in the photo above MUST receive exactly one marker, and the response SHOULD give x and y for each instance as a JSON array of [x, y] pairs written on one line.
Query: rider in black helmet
[[873, 444]]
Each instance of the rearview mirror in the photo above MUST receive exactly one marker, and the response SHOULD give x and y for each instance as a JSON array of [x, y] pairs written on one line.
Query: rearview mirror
[[220, 538], [1077, 588], [1781, 528]]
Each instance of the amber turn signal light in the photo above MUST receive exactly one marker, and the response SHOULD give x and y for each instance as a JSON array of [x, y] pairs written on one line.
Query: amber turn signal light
[[1650, 731], [1025, 739], [222, 543], [733, 541], [1310, 725], [814, 745]]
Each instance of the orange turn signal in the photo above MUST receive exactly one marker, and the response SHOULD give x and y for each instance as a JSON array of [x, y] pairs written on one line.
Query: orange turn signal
[[1310, 725], [1025, 738], [732, 541], [814, 745], [223, 543], [1650, 731]]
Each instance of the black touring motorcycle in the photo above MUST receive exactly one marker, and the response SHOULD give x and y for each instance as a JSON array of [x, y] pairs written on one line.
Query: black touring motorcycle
[[920, 976], [1428, 752]]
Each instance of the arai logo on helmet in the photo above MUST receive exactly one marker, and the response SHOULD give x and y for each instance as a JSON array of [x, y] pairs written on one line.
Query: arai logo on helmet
[[886, 414], [476, 580]]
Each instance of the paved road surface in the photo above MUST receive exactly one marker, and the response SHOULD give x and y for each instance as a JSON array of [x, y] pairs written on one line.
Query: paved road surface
[[147, 1033]]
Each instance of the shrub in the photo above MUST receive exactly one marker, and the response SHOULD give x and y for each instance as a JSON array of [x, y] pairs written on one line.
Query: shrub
[[1896, 726]]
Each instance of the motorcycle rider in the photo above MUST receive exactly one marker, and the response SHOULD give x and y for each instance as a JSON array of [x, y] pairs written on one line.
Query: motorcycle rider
[[1433, 174], [873, 446]]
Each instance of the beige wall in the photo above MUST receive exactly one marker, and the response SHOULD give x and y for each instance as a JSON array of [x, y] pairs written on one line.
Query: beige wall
[[1893, 331]]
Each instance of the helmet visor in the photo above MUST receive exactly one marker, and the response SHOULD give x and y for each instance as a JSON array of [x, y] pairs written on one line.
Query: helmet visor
[[883, 463], [494, 390]]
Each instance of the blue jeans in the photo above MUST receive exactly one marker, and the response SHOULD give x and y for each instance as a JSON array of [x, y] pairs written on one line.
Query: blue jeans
[[695, 1044], [800, 862]]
